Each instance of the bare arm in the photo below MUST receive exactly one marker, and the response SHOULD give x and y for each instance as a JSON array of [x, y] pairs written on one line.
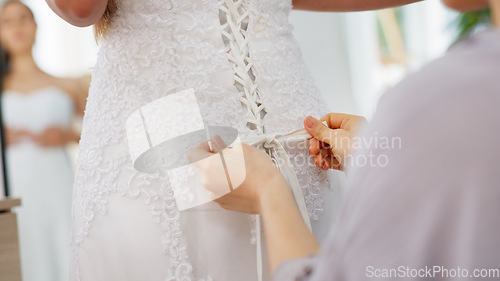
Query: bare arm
[[287, 235], [79, 12], [78, 89], [468, 6], [263, 191], [347, 5]]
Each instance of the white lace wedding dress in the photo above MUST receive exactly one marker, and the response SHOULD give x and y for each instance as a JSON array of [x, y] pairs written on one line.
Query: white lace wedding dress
[[244, 65]]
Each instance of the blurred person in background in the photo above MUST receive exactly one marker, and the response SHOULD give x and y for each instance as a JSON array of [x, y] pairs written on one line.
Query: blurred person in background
[[38, 110]]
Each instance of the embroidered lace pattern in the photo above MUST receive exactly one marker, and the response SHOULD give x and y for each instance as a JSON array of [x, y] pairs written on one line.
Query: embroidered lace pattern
[[247, 72]]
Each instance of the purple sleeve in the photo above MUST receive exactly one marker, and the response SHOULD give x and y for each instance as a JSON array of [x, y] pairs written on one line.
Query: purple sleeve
[[299, 269]]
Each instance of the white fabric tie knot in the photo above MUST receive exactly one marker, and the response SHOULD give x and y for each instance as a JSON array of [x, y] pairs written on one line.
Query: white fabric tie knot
[[274, 143], [270, 141]]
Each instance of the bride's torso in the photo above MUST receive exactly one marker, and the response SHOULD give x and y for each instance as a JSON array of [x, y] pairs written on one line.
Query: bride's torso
[[153, 48], [156, 47]]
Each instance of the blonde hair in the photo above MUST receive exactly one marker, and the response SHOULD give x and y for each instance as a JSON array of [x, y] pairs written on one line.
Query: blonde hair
[[101, 26]]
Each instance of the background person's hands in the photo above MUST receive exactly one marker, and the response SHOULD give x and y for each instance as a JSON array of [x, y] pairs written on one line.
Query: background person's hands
[[331, 144], [259, 175], [52, 137], [13, 136]]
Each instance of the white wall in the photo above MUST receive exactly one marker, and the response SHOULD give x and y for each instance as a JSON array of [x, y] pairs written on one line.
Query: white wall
[[321, 38], [61, 49], [342, 51]]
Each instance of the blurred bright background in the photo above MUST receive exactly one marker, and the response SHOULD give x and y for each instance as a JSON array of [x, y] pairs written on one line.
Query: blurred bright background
[[354, 57]]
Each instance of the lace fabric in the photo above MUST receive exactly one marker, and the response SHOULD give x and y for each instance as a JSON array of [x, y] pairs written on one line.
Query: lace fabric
[[154, 48]]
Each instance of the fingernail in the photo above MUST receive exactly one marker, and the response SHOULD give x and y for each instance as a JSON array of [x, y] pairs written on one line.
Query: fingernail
[[311, 122], [219, 142]]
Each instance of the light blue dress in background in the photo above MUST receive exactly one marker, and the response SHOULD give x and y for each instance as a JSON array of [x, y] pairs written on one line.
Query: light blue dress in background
[[43, 179]]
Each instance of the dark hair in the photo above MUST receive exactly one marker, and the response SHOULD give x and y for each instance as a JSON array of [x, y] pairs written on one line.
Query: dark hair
[[3, 164], [4, 62], [4, 68]]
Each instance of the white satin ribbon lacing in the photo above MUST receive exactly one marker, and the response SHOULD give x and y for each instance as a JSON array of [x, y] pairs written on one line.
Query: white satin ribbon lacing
[[235, 18]]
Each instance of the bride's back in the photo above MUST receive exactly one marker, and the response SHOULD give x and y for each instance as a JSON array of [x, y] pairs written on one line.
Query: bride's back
[[246, 71]]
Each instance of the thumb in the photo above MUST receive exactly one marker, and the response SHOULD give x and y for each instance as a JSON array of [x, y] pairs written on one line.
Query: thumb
[[319, 130], [218, 144], [200, 152]]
